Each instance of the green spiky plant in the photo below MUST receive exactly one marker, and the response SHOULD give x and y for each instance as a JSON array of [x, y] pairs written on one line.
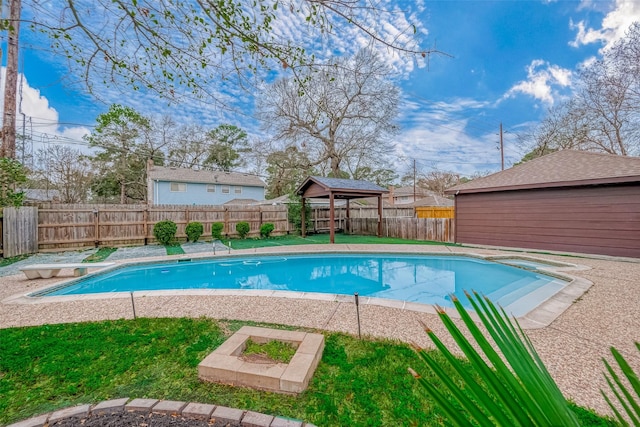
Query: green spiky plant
[[629, 399], [513, 390]]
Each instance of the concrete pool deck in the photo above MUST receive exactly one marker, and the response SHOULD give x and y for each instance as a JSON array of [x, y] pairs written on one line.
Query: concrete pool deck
[[572, 346]]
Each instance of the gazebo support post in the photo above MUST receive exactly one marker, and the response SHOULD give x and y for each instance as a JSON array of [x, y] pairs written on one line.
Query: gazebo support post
[[303, 228], [380, 216], [346, 223], [332, 217]]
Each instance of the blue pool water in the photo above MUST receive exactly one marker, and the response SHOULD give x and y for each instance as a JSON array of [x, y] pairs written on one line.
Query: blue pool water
[[415, 278]]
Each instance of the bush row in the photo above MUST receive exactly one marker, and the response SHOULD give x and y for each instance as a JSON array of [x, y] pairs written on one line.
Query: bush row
[[165, 231]]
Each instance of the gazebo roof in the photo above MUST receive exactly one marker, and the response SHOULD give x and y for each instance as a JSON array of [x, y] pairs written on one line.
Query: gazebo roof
[[320, 187]]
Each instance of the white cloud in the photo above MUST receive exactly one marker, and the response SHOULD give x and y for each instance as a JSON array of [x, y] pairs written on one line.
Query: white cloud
[[543, 81], [587, 63], [41, 121], [439, 137], [613, 27]]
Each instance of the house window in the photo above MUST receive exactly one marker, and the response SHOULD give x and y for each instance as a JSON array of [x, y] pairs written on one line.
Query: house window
[[225, 189], [211, 188], [180, 187], [237, 189]]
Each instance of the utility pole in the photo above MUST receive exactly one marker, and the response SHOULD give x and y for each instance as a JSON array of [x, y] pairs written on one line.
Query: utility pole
[[414, 180], [501, 147], [11, 82]]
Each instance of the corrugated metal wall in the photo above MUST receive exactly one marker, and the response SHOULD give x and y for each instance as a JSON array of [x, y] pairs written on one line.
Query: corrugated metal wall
[[598, 220]]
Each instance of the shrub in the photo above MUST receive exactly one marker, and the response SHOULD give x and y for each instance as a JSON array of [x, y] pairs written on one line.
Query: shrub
[[165, 231], [194, 230], [243, 228], [266, 229], [216, 230]]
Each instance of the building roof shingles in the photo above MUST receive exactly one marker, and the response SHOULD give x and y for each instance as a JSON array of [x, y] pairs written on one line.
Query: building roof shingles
[[562, 168], [431, 200], [349, 184], [161, 173]]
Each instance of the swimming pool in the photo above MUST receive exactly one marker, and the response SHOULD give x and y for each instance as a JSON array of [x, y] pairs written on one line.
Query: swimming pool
[[414, 278]]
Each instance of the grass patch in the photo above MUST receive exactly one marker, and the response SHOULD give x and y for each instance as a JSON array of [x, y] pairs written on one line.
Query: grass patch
[[278, 351], [8, 261], [100, 255], [358, 382], [321, 239], [174, 249]]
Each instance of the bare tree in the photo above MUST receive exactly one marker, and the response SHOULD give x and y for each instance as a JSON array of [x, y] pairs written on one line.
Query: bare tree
[[562, 128], [343, 116], [67, 170], [438, 181], [604, 113], [189, 148], [604, 106]]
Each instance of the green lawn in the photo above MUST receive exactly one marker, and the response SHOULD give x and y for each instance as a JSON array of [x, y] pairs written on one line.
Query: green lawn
[[174, 249], [100, 255], [358, 383], [323, 239]]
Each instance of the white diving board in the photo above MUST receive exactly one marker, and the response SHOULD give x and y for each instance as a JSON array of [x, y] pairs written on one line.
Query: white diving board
[[46, 271]]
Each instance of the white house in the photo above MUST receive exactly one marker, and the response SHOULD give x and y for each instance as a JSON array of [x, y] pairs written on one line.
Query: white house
[[178, 186]]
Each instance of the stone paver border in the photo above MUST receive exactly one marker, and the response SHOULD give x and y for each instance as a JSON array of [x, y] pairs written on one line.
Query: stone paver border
[[225, 364], [200, 411]]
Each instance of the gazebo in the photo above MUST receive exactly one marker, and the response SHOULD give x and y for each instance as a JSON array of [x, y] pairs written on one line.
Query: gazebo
[[336, 188]]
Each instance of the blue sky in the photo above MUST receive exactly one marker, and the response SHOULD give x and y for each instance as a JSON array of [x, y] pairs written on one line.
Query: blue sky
[[510, 61]]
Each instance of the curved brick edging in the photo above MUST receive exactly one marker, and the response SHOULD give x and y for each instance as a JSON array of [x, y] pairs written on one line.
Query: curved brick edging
[[199, 411]]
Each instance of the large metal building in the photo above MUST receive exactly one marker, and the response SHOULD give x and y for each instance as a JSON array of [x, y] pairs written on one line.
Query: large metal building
[[569, 201]]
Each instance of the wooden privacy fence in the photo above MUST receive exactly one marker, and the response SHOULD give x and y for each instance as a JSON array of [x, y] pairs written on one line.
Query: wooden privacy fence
[[19, 231], [435, 212], [320, 215], [73, 226], [62, 226], [433, 229]]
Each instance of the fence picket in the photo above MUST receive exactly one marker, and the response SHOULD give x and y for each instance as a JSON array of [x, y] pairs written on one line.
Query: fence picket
[[433, 229]]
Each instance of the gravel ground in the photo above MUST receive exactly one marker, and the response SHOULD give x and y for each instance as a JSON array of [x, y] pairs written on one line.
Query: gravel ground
[[572, 347]]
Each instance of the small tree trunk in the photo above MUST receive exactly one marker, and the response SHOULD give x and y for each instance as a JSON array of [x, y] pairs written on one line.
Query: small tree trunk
[[123, 193]]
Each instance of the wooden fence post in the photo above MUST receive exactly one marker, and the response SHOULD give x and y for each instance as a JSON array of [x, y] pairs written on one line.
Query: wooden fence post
[[261, 218], [145, 224], [96, 221], [226, 220]]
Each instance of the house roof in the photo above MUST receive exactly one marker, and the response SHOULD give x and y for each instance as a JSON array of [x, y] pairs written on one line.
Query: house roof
[[285, 200], [40, 195], [316, 186], [431, 200], [563, 168], [243, 202], [373, 201], [161, 173], [408, 191]]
